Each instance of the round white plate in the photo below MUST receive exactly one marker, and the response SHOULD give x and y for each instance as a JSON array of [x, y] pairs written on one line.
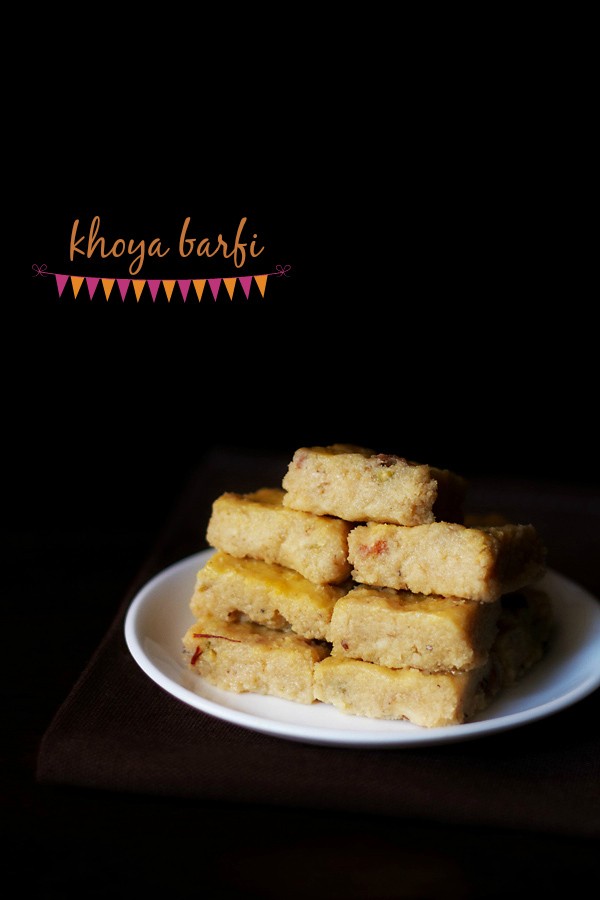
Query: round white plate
[[159, 616]]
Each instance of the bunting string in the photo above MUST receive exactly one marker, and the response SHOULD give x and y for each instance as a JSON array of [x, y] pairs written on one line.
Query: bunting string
[[168, 285]]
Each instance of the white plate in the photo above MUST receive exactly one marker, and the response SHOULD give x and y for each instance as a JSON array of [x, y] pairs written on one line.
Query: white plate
[[159, 616]]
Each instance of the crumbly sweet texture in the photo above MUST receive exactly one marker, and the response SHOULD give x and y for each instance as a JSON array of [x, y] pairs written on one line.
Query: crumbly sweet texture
[[359, 485], [437, 699], [524, 630], [447, 558], [398, 628], [245, 657], [234, 589], [427, 699], [258, 525]]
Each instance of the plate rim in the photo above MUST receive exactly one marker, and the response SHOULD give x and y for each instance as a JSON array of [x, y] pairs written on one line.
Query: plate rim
[[331, 736]]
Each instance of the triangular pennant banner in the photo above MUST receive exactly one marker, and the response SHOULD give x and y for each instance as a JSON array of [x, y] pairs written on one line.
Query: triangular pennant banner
[[92, 284], [76, 281], [61, 280], [199, 286], [154, 284], [184, 286], [230, 285], [138, 287], [123, 285], [168, 285], [246, 281], [261, 281]]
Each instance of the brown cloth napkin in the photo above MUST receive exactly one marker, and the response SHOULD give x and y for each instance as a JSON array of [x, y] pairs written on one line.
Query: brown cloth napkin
[[119, 731]]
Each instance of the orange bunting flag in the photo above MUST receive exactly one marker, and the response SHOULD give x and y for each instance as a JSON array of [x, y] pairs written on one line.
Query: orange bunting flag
[[199, 287]]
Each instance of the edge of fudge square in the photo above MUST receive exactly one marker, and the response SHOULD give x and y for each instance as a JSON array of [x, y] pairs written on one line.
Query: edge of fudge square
[[428, 699], [359, 485], [448, 559], [246, 657], [399, 628], [265, 593], [259, 526]]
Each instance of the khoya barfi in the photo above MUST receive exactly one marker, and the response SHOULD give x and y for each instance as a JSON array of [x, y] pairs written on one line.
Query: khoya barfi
[[357, 484], [524, 629], [258, 525], [235, 589], [428, 699], [246, 657], [437, 699], [399, 628], [453, 560]]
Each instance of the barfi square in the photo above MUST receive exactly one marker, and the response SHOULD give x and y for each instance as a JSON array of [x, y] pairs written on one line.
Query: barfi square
[[447, 558], [258, 525], [359, 485], [234, 589], [244, 657], [398, 628]]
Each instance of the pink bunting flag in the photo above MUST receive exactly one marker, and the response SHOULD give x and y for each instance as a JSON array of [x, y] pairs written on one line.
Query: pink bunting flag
[[215, 284], [123, 285], [153, 284], [184, 286], [61, 280], [92, 284], [246, 282]]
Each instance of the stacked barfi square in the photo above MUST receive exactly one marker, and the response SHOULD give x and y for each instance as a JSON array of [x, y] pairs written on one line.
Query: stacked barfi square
[[357, 584], [264, 600]]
